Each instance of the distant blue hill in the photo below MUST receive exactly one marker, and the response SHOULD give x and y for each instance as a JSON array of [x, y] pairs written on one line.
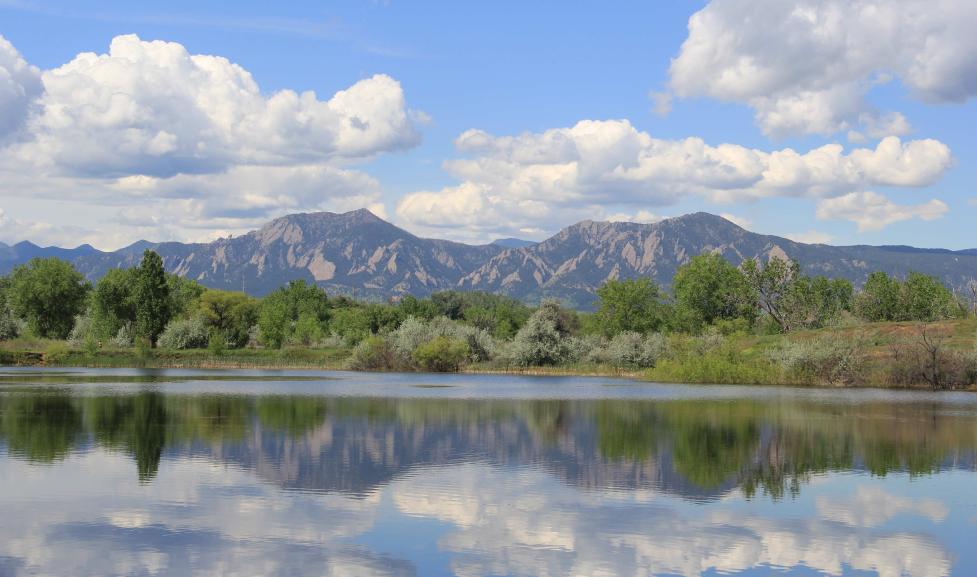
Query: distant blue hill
[[513, 242]]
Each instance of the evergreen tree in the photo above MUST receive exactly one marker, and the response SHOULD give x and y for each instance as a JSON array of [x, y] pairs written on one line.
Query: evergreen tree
[[152, 297]]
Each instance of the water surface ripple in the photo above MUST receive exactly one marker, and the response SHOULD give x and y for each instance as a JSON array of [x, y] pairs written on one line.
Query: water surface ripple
[[181, 472]]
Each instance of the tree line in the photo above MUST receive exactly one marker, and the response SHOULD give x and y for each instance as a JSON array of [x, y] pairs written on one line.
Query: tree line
[[146, 307]]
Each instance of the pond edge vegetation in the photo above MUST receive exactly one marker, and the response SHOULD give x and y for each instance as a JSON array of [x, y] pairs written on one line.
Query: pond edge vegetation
[[759, 323]]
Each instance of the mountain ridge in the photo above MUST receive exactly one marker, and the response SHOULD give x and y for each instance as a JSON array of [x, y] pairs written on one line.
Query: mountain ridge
[[360, 254]]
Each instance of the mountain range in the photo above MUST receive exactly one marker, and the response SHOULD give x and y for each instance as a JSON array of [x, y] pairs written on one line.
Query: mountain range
[[356, 253]]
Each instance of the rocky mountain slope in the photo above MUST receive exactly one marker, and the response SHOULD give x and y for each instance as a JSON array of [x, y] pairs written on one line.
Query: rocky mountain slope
[[358, 253], [577, 260]]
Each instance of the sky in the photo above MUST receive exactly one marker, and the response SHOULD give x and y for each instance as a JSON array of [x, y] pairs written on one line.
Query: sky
[[833, 121]]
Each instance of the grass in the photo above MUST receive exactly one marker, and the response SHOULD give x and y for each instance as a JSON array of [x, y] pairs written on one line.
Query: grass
[[746, 359], [739, 359], [46, 352]]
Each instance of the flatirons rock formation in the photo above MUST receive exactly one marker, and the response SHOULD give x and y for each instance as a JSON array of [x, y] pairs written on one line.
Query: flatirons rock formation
[[358, 253]]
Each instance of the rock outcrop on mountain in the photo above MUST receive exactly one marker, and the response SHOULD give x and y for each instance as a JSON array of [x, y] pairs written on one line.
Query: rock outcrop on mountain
[[357, 253]]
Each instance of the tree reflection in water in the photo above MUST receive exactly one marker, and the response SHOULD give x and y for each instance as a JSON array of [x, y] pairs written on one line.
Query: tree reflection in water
[[696, 448]]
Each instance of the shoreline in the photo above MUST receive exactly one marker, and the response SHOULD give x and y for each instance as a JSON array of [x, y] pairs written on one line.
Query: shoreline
[[212, 363], [740, 359]]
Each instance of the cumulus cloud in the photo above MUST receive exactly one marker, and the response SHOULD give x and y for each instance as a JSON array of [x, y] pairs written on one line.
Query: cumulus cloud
[[642, 216], [226, 523], [510, 182], [873, 506], [13, 230], [872, 211], [153, 108], [810, 237], [807, 66], [661, 103], [150, 124], [20, 84], [740, 221], [527, 525], [258, 191]]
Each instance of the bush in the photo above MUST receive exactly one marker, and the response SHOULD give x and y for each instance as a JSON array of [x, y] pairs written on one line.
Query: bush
[[927, 360], [481, 345], [56, 354], [630, 349], [729, 327], [188, 333], [374, 354], [123, 338], [716, 368], [441, 355], [413, 333], [10, 326], [707, 343], [91, 344], [540, 341], [83, 329], [216, 343], [588, 349], [307, 331], [836, 361]]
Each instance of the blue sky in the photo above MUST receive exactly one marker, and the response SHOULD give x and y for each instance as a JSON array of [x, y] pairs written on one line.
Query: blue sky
[[753, 81]]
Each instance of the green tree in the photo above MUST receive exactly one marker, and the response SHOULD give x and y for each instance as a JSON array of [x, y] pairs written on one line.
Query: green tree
[[48, 293], [183, 294], [280, 311], [919, 298], [772, 283], [925, 298], [152, 297], [113, 305], [629, 305], [814, 302], [232, 314], [708, 289], [879, 298]]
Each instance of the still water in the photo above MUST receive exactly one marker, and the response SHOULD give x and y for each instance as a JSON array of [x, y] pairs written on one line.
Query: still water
[[343, 474]]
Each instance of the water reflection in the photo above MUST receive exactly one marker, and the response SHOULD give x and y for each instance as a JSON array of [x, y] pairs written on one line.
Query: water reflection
[[157, 482]]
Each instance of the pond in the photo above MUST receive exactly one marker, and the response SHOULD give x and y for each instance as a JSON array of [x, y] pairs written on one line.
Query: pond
[[127, 472]]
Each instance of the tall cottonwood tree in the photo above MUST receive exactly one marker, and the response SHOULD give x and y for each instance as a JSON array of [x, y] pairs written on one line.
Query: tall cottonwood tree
[[151, 297], [48, 293], [630, 305]]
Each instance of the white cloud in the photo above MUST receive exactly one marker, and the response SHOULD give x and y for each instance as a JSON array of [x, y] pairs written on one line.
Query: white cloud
[[740, 221], [810, 237], [258, 190], [237, 526], [661, 103], [872, 211], [642, 216], [807, 66], [191, 138], [873, 506], [14, 230], [554, 177], [20, 83], [153, 108], [528, 525]]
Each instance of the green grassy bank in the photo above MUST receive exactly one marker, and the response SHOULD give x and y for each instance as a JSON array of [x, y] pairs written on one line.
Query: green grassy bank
[[938, 355]]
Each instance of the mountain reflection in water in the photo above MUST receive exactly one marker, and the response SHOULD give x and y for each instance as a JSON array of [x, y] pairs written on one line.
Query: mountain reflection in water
[[178, 481]]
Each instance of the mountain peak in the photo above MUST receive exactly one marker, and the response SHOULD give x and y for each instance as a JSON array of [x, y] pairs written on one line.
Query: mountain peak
[[702, 218], [359, 252]]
